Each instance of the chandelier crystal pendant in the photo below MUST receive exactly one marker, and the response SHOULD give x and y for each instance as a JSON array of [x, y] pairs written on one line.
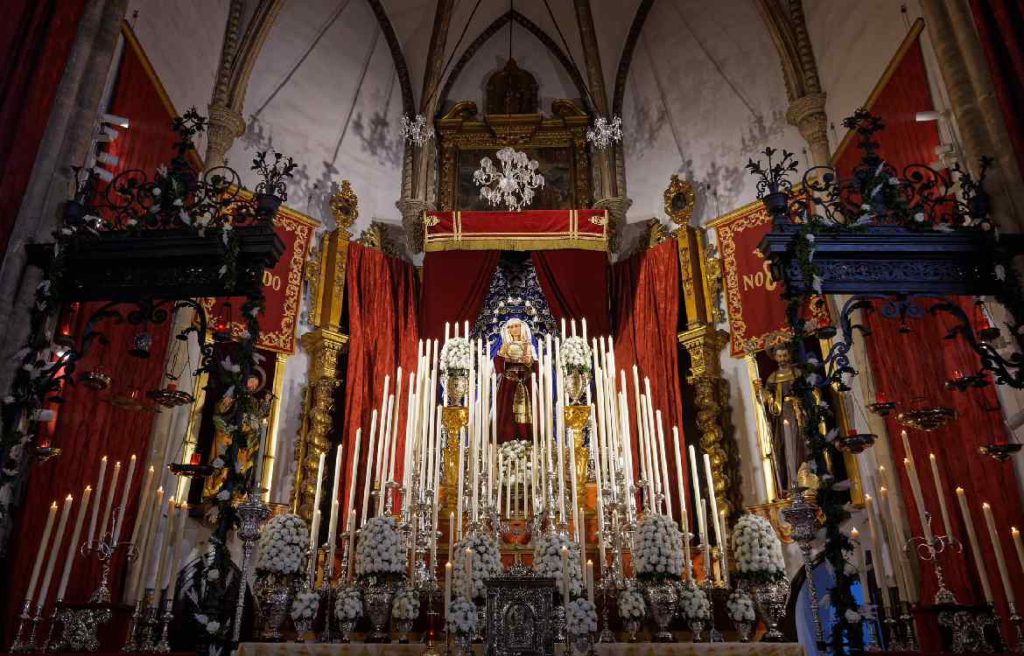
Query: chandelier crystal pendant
[[605, 132], [513, 184], [416, 130]]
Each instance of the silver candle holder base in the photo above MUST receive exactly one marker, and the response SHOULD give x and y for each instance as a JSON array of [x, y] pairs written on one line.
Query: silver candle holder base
[[25, 644], [1016, 620]]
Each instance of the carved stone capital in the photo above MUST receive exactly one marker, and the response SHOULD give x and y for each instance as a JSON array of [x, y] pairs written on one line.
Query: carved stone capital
[[225, 125], [807, 113], [617, 207], [412, 210], [704, 344]]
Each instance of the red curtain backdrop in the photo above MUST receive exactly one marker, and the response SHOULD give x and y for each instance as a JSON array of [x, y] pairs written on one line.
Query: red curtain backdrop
[[1000, 25], [35, 41], [575, 284], [645, 302], [455, 285], [382, 310]]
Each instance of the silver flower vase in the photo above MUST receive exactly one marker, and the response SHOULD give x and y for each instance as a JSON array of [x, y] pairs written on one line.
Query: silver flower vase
[[696, 629], [302, 627], [404, 627], [581, 644], [632, 628], [273, 594], [377, 599], [662, 599], [345, 631], [743, 628], [770, 599]]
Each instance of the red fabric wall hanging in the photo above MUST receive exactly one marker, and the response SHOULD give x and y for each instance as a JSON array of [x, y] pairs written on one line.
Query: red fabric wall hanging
[[455, 285], [575, 284]]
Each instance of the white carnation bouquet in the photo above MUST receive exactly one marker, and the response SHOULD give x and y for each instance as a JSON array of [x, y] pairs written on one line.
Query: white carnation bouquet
[[757, 550], [283, 545], [380, 550], [580, 617], [514, 461], [740, 607], [693, 602], [456, 356], [462, 617], [631, 604], [305, 605], [348, 607], [547, 561], [575, 355], [486, 563], [657, 548], [406, 605]]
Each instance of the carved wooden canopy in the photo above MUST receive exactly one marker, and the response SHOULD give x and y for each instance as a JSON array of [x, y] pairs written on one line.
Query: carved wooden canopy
[[557, 142]]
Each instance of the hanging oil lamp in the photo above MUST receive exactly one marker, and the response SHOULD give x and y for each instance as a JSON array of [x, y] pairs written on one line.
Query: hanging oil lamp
[[98, 378], [882, 405], [222, 325], [170, 396]]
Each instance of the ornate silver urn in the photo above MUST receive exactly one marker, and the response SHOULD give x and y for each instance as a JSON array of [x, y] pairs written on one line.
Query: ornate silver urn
[[662, 599], [274, 594], [377, 599]]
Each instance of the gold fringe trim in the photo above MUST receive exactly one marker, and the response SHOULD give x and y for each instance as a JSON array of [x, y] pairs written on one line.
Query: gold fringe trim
[[514, 244]]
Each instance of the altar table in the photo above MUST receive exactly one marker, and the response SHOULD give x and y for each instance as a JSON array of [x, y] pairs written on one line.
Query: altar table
[[616, 649]]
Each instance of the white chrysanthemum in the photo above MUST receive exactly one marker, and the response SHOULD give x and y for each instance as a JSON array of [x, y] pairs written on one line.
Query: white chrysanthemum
[[574, 355], [547, 561], [693, 602], [305, 605], [348, 607], [740, 607], [658, 550], [515, 465], [283, 545], [486, 563], [462, 617], [406, 605], [631, 605], [456, 356], [380, 550], [580, 617], [757, 550]]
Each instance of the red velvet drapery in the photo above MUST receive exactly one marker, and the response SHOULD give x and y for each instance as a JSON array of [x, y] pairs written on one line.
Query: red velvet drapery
[[575, 284], [1000, 25], [455, 285], [382, 309], [35, 40], [645, 302]]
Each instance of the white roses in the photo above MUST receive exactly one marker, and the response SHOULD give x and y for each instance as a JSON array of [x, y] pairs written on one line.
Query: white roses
[[283, 545], [693, 602], [380, 549], [305, 605], [575, 356], [658, 548], [740, 607], [462, 617], [631, 604], [547, 560], [757, 550], [456, 356], [349, 605], [406, 606], [580, 617], [486, 563]]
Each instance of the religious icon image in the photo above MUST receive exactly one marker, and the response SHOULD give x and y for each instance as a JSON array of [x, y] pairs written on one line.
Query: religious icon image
[[516, 356], [786, 417], [253, 426]]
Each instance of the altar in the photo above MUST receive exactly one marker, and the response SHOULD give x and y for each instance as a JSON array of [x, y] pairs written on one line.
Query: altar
[[616, 649]]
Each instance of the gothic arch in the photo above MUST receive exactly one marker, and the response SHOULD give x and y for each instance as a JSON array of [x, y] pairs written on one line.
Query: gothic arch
[[401, 68]]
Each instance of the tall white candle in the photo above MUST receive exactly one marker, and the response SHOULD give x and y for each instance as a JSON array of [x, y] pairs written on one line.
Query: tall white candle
[[460, 488], [143, 512], [69, 559], [862, 568], [368, 472], [972, 538], [99, 498], [709, 566], [712, 498], [997, 547], [589, 576], [1018, 545], [160, 552], [332, 524], [41, 552], [109, 506], [565, 578], [467, 590], [125, 490], [940, 493], [695, 477], [351, 543], [172, 548], [877, 561], [58, 538], [447, 587], [915, 487], [318, 489], [350, 503], [664, 466], [681, 484]]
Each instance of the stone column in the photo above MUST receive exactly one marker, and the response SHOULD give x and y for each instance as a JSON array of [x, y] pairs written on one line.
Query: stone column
[[807, 113], [226, 125]]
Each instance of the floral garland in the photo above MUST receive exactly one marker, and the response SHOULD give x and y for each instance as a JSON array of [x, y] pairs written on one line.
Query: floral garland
[[693, 602], [462, 617], [406, 606], [757, 550], [456, 356], [740, 607], [575, 356], [283, 545], [658, 548], [580, 617], [486, 563], [547, 560], [631, 604], [380, 551], [305, 605], [514, 461], [348, 607]]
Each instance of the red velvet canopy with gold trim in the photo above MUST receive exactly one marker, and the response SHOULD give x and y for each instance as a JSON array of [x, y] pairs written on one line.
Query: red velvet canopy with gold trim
[[532, 230]]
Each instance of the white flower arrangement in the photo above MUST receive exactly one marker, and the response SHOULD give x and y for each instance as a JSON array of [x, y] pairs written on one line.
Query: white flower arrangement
[[486, 563], [693, 602], [740, 607], [380, 550], [348, 607], [580, 617], [456, 356], [757, 550], [462, 617], [575, 356], [283, 545], [305, 605], [547, 561], [631, 604], [515, 465], [657, 548], [406, 606]]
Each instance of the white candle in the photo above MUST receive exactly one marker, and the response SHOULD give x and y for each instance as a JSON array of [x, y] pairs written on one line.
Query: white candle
[[724, 546], [876, 549], [695, 477], [460, 489], [109, 506], [368, 472], [709, 567], [862, 573], [99, 498], [915, 487], [683, 519], [997, 547], [58, 538], [140, 567], [467, 590], [501, 462], [664, 467], [318, 491], [124, 498], [590, 581], [565, 577], [143, 512], [1018, 545], [41, 553], [350, 503], [713, 499], [940, 493], [162, 545], [447, 587], [314, 536], [332, 524], [69, 560], [172, 547], [385, 445], [972, 538]]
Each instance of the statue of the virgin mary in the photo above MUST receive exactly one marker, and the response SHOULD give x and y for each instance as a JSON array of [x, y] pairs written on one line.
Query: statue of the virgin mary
[[516, 356]]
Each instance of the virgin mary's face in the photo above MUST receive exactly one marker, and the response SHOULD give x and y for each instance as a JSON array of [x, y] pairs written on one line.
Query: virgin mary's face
[[515, 330]]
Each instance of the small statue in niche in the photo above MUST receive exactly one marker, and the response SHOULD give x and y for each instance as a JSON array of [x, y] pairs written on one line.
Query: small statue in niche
[[253, 427], [787, 419], [516, 356]]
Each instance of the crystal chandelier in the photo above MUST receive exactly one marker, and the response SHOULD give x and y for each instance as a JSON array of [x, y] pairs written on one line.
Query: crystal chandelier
[[416, 130], [513, 184], [605, 132]]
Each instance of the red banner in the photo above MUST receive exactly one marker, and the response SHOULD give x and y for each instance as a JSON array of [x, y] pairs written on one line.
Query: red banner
[[753, 299], [532, 230], [282, 287]]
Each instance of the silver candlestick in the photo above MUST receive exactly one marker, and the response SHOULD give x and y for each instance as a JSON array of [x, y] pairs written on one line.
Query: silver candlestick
[[928, 551], [21, 644], [909, 632], [165, 617], [1015, 620], [131, 644], [251, 514], [803, 517]]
